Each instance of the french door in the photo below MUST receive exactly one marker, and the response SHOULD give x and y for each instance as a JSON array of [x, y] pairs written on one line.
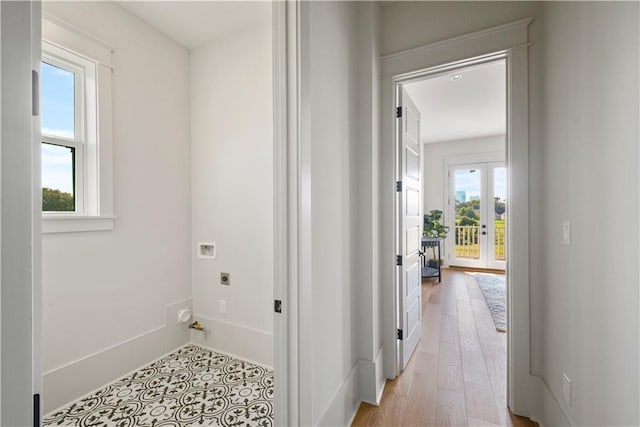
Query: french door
[[477, 215]]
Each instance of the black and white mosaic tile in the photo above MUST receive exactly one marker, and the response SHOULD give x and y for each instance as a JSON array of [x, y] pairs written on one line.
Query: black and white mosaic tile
[[190, 387]]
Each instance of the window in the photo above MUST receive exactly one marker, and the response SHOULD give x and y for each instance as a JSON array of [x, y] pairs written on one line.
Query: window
[[76, 152], [63, 131]]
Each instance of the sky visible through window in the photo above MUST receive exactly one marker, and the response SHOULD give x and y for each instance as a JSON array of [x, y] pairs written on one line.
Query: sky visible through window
[[58, 119], [470, 182]]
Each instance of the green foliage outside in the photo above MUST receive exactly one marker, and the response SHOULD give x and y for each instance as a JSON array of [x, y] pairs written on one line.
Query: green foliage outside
[[467, 214], [434, 228], [57, 201]]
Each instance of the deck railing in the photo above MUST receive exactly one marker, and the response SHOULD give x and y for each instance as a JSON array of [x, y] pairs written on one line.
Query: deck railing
[[467, 239], [500, 242]]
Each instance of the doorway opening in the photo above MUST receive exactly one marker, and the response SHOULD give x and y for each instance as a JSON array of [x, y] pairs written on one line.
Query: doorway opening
[[464, 230], [153, 316]]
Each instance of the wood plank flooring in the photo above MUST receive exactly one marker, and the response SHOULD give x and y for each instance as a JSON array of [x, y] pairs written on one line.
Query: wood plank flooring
[[457, 376]]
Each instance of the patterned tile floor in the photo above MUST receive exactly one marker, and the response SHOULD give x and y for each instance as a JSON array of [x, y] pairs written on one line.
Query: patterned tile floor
[[190, 387]]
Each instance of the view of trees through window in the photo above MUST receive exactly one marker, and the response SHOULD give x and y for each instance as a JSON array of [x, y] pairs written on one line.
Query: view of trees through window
[[468, 204], [58, 127]]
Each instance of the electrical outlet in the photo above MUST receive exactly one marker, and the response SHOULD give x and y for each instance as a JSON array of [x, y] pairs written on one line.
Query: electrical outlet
[[223, 306], [207, 250], [566, 388], [225, 279]]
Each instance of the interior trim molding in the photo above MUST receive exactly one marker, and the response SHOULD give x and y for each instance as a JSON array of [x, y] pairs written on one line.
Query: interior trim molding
[[549, 412], [515, 25], [245, 343], [509, 41], [83, 376], [342, 408], [495, 39]]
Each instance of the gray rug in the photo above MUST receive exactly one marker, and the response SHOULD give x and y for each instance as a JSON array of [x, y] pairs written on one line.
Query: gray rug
[[494, 289]]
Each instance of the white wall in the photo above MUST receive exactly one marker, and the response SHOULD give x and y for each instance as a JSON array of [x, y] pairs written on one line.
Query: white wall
[[583, 100], [332, 83], [409, 24], [232, 190], [436, 156], [101, 289], [589, 175]]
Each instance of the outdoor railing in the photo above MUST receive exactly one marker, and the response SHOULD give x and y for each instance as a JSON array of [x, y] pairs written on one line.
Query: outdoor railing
[[468, 241], [500, 240]]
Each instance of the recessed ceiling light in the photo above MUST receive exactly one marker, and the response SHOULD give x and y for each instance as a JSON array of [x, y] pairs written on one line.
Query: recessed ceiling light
[[455, 77]]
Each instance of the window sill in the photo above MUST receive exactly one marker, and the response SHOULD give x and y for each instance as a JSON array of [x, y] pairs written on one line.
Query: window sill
[[73, 224]]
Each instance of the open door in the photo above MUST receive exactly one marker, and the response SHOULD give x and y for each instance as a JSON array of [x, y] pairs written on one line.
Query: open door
[[20, 213], [409, 235]]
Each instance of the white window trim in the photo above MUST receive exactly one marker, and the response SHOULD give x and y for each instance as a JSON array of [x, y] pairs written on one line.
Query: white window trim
[[81, 70], [94, 204]]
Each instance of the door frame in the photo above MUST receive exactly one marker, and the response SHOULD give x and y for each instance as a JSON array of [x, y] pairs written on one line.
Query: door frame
[[456, 160], [509, 41], [21, 366], [292, 214], [450, 212]]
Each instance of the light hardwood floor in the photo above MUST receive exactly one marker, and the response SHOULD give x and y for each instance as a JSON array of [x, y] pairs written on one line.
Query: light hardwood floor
[[457, 376]]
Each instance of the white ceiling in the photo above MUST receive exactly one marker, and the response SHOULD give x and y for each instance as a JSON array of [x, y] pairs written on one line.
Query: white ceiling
[[472, 106], [194, 23]]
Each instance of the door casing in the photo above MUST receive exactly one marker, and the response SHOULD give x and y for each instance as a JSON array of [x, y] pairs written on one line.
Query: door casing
[[509, 42]]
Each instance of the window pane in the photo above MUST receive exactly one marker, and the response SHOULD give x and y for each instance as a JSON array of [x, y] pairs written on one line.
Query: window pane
[[500, 211], [58, 101], [57, 178], [467, 189]]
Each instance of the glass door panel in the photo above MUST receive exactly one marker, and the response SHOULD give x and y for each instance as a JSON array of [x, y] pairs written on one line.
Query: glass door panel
[[498, 217], [467, 215]]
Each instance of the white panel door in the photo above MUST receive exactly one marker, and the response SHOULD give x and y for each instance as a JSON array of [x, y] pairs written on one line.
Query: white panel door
[[20, 213], [409, 273]]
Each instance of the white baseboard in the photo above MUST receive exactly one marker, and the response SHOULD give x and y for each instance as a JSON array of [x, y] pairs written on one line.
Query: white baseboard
[[69, 382], [345, 403], [550, 413], [244, 343], [381, 380], [371, 379], [364, 383]]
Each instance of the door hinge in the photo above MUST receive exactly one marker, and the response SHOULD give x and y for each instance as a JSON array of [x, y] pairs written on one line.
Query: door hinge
[[277, 306], [36, 410], [398, 185], [398, 112], [399, 334], [398, 259]]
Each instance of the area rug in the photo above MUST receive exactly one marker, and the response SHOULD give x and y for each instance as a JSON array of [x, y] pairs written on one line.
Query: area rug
[[494, 289]]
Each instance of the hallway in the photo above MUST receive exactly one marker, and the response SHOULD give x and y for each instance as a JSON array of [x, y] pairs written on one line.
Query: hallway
[[457, 376]]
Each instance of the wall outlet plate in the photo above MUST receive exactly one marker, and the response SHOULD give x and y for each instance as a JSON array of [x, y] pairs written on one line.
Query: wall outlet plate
[[225, 279], [206, 250], [223, 306]]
